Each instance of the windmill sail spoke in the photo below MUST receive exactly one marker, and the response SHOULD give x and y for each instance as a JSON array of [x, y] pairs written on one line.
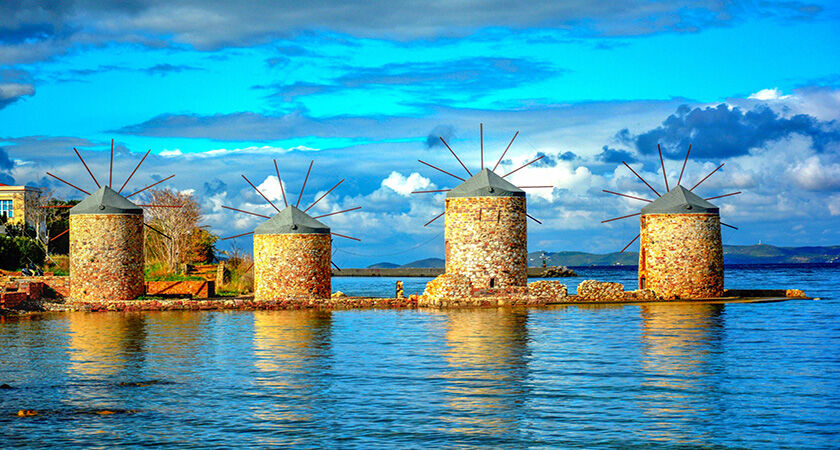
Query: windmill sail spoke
[[261, 194], [345, 237], [325, 194], [132, 172], [300, 196], [727, 225], [246, 212], [282, 191], [438, 168], [643, 180], [629, 244], [664, 173], [707, 176], [86, 167], [533, 218], [724, 195], [622, 217], [337, 212], [68, 183], [436, 218], [238, 235], [505, 152], [523, 166], [456, 157], [684, 163], [150, 186], [628, 196]]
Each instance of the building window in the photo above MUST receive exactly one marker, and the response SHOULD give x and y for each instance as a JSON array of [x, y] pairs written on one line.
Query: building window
[[7, 209]]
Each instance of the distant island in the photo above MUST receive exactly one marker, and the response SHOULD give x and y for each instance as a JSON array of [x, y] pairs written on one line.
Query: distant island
[[732, 254]]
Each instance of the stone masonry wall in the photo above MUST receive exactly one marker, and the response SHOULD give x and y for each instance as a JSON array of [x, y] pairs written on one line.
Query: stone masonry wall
[[292, 265], [487, 239], [681, 255], [106, 257]]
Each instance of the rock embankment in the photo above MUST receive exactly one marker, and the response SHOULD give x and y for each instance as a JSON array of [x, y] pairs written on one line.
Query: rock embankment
[[557, 272]]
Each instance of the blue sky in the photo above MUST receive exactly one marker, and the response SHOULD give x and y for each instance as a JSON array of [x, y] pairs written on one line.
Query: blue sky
[[365, 88]]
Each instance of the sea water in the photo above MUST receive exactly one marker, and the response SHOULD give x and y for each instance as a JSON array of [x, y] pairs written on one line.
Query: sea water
[[726, 375]]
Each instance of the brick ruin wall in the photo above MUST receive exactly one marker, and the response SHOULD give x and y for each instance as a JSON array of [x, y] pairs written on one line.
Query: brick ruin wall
[[487, 239], [681, 255], [106, 257], [292, 265]]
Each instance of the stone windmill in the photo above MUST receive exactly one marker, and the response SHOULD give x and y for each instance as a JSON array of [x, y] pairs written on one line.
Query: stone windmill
[[106, 240], [486, 235], [680, 252], [292, 250]]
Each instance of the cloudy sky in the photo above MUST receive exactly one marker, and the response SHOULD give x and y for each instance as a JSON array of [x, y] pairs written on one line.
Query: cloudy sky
[[365, 89]]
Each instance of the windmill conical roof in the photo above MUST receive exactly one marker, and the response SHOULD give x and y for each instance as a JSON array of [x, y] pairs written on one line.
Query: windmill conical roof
[[292, 221], [486, 184], [680, 200], [105, 201]]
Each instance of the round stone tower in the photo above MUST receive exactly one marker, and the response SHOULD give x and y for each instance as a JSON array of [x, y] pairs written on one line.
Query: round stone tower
[[106, 248], [486, 233], [292, 254], [681, 254]]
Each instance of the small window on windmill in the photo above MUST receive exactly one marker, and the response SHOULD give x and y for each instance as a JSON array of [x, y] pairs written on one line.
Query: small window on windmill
[[489, 215]]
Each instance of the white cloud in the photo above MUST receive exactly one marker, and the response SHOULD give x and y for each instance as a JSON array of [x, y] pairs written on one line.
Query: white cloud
[[769, 94], [170, 153], [398, 183], [814, 174]]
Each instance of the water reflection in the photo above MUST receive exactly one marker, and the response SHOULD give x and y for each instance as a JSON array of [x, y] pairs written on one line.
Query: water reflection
[[106, 344], [290, 348], [487, 359], [681, 354]]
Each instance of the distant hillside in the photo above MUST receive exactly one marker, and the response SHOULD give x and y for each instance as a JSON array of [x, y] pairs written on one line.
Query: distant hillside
[[383, 265], [427, 263], [732, 254]]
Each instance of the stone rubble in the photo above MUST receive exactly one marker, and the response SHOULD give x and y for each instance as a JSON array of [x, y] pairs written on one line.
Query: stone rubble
[[591, 290]]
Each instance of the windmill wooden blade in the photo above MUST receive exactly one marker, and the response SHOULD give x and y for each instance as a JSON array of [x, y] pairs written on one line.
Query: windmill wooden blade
[[523, 166], [481, 134], [157, 231], [664, 173], [727, 225], [150, 186], [438, 168], [336, 266], [533, 218], [325, 194], [631, 242], [68, 183], [111, 170], [643, 180], [345, 237], [724, 195], [261, 194], [505, 152], [628, 196], [304, 183], [279, 180], [456, 157], [238, 235], [135, 170], [428, 192], [436, 218], [337, 212], [707, 176], [622, 217], [86, 167], [684, 163], [60, 234], [246, 212]]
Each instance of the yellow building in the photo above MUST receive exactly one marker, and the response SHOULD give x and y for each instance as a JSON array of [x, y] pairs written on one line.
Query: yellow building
[[20, 204]]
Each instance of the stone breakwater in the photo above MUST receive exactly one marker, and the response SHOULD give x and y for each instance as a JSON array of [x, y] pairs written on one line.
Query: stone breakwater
[[106, 256], [235, 304], [681, 255], [486, 240], [291, 265]]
